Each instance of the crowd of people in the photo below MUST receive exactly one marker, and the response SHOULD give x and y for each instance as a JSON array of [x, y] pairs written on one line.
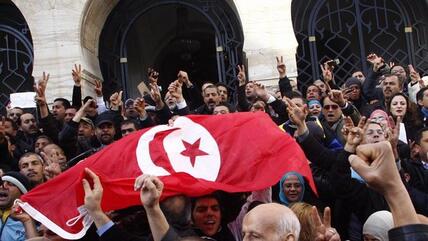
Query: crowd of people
[[366, 141]]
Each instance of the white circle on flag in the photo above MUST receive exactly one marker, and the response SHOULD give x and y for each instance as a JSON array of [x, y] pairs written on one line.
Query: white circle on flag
[[190, 149]]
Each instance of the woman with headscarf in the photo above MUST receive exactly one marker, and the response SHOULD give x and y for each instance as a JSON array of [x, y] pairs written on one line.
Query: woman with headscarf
[[377, 226], [402, 148], [315, 108], [291, 188]]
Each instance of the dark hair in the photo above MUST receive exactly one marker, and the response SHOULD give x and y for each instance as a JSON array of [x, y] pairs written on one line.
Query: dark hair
[[14, 125], [419, 135], [64, 102], [227, 105], [177, 210], [209, 86], [19, 108], [215, 196], [72, 107], [223, 85], [27, 154], [295, 95], [19, 121], [412, 115], [400, 81], [420, 94], [87, 98], [131, 121], [45, 137], [318, 88], [398, 65]]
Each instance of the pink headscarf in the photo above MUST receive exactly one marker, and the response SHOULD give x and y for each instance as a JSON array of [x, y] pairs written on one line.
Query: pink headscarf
[[380, 113]]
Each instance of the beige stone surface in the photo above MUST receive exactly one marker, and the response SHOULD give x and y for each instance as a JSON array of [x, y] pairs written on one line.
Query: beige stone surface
[[268, 33], [55, 29]]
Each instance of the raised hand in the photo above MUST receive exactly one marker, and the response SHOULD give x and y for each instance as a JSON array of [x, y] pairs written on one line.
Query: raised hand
[[353, 134], [296, 114], [19, 214], [280, 66], [415, 76], [394, 134], [337, 97], [374, 162], [140, 106], [154, 92], [55, 163], [151, 189], [93, 196], [98, 88], [76, 73], [43, 82], [327, 72], [323, 229], [241, 75], [183, 78], [116, 100], [347, 93], [40, 90], [376, 61], [175, 89], [261, 91]]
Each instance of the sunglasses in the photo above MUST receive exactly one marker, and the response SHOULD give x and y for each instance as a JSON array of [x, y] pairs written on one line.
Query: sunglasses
[[331, 107]]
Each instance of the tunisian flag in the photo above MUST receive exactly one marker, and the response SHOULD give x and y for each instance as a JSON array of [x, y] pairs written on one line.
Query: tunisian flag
[[198, 155]]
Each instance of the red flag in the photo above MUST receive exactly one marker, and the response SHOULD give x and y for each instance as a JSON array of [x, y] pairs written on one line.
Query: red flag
[[235, 153]]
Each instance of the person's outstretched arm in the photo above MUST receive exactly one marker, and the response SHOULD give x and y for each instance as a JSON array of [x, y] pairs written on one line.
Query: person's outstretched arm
[[376, 161]]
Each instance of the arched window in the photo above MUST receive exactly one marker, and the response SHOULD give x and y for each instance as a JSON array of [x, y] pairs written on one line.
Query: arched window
[[200, 36], [16, 53], [350, 29]]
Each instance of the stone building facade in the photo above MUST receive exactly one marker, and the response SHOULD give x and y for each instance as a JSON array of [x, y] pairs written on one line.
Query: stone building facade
[[66, 32], [116, 40]]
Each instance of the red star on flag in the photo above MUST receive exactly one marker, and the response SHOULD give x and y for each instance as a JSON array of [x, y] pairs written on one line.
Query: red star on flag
[[192, 151]]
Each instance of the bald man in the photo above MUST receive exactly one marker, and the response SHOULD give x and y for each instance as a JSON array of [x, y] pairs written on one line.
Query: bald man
[[271, 222]]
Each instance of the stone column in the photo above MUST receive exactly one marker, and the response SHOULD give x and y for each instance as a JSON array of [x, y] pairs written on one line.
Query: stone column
[[55, 29], [268, 32]]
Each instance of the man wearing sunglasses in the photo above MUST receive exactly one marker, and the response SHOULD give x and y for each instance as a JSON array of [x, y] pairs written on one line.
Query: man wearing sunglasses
[[334, 107]]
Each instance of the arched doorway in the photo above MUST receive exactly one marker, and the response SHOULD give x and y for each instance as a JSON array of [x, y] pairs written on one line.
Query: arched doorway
[[350, 29], [202, 37], [16, 53]]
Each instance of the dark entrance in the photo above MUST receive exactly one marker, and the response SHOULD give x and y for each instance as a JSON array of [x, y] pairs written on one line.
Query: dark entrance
[[203, 38], [350, 29], [16, 53]]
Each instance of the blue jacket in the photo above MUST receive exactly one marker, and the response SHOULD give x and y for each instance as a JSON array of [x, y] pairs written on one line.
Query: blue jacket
[[12, 230]]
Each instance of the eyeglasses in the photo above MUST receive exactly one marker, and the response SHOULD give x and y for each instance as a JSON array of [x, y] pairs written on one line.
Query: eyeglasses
[[378, 119], [331, 107]]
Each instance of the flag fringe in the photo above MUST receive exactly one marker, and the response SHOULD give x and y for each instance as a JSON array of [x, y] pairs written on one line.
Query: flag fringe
[[35, 214]]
